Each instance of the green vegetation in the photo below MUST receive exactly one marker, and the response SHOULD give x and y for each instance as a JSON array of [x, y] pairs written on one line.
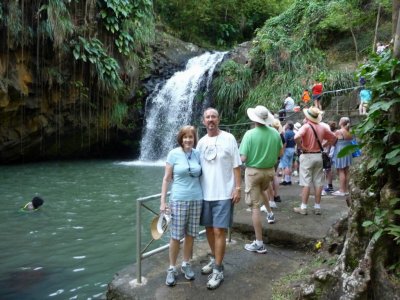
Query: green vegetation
[[231, 86], [119, 114], [131, 23], [220, 23], [284, 288], [104, 45], [380, 130], [380, 135], [106, 67], [289, 52]]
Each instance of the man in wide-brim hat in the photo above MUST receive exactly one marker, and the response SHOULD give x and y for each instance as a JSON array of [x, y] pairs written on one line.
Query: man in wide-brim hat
[[260, 149], [311, 172]]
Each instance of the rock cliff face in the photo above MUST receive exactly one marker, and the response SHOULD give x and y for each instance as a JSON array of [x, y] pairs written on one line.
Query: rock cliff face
[[42, 122]]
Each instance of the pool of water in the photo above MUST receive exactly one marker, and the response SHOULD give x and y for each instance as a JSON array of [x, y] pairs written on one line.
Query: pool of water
[[82, 235]]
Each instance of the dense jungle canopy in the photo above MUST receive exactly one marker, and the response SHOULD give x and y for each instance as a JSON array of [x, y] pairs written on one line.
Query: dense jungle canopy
[[71, 85]]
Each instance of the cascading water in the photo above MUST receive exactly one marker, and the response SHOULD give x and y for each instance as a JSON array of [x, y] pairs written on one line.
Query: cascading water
[[172, 106]]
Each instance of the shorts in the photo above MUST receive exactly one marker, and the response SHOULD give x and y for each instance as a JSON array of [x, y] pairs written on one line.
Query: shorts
[[185, 218], [364, 104], [218, 214], [257, 181], [287, 158], [316, 97], [311, 173]]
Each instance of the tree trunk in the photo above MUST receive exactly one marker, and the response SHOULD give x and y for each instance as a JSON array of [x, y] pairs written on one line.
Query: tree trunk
[[376, 28], [395, 15], [396, 45], [355, 43]]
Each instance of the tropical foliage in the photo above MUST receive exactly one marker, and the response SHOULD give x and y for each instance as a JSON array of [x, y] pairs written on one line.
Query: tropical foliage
[[380, 135], [217, 22], [289, 51], [102, 44], [231, 86]]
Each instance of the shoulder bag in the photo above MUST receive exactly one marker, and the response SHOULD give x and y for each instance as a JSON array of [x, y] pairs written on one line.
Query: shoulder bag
[[326, 160]]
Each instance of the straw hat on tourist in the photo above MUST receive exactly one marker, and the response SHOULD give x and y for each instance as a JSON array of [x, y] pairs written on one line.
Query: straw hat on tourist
[[313, 114]]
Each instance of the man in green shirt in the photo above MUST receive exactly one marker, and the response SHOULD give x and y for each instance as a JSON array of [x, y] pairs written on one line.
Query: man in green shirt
[[259, 149]]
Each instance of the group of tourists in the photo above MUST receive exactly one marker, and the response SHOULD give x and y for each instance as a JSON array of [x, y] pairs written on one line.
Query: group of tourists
[[205, 180], [289, 104]]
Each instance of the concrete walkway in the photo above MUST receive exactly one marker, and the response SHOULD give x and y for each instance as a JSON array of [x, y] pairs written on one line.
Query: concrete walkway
[[247, 275]]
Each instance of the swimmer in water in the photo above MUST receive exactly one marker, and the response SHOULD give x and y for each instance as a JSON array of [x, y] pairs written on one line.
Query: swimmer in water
[[34, 204]]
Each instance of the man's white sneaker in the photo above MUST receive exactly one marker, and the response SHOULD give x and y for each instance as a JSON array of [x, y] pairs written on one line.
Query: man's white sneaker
[[263, 208], [215, 279]]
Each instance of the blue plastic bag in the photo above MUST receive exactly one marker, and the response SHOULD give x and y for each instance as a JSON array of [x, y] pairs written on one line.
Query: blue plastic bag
[[356, 153]]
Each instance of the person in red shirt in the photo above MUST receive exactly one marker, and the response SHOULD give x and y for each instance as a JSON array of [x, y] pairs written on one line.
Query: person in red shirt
[[317, 93], [311, 173]]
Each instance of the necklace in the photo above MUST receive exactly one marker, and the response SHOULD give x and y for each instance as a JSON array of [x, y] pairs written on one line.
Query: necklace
[[190, 172], [189, 156], [210, 153]]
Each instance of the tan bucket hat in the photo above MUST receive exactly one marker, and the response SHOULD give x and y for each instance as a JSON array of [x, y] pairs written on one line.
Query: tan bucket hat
[[159, 225]]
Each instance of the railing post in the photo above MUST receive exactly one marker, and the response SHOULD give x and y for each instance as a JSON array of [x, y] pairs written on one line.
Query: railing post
[[138, 242]]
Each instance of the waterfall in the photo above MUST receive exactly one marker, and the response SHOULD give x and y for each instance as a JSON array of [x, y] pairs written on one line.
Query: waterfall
[[171, 106]]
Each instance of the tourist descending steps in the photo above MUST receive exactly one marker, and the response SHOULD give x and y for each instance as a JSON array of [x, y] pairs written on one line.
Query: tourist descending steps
[[259, 149], [307, 140], [316, 90]]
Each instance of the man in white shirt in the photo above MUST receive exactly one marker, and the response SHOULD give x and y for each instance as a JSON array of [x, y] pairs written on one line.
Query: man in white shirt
[[221, 182], [288, 105]]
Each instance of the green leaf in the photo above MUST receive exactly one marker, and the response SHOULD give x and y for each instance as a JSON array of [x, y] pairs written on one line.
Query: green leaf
[[76, 54], [393, 153], [367, 223], [394, 161], [347, 150], [372, 163], [394, 201], [377, 235]]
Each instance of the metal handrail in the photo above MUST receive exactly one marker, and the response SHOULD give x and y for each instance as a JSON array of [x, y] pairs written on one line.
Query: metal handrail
[[140, 254]]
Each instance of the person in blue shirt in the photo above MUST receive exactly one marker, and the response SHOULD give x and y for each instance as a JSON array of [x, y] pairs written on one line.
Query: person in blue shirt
[[287, 158], [365, 99], [182, 171]]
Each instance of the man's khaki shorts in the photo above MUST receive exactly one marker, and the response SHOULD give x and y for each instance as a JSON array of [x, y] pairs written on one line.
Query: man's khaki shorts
[[311, 173], [257, 181]]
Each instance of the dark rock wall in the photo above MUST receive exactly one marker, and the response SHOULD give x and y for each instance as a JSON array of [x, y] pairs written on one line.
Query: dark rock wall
[[40, 121]]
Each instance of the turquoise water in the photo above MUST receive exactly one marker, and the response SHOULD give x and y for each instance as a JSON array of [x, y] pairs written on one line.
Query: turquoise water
[[83, 234]]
